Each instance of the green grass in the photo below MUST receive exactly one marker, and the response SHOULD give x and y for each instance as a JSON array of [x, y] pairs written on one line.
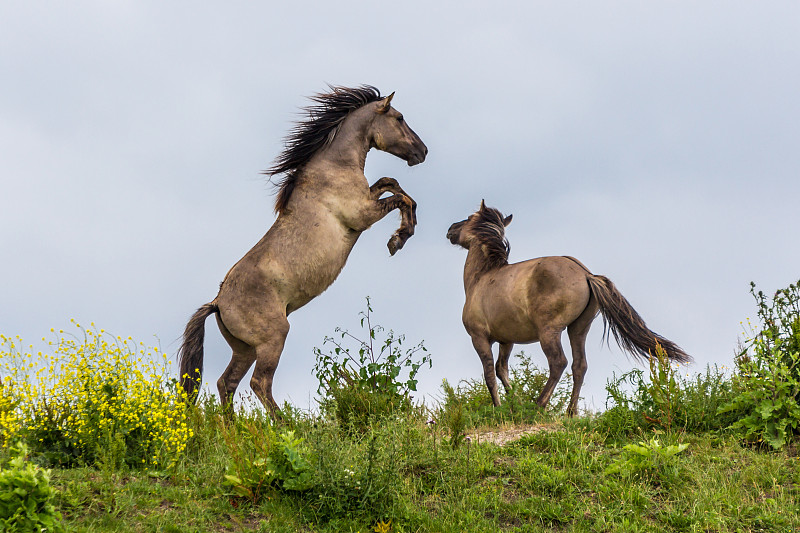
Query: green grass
[[666, 456], [549, 481]]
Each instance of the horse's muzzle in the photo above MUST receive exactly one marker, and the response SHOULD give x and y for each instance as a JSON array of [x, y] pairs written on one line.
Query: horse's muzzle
[[454, 232], [417, 155]]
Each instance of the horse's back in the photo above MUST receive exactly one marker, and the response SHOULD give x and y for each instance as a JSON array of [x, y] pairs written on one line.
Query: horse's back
[[520, 300], [555, 278]]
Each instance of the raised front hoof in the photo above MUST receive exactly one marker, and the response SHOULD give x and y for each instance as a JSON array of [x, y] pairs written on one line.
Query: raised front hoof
[[396, 243]]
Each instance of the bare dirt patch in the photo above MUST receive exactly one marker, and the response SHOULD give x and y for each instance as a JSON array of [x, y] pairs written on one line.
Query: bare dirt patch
[[502, 436]]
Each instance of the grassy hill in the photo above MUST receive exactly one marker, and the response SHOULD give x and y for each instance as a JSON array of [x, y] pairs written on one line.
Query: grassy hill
[[97, 436], [404, 475]]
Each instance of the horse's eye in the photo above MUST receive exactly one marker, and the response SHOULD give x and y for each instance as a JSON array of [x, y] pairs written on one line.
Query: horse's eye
[[400, 118]]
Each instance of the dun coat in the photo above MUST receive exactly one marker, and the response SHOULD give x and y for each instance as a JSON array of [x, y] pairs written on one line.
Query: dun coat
[[536, 300], [323, 204]]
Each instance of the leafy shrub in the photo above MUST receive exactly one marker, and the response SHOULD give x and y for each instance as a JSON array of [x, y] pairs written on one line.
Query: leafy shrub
[[324, 472], [281, 464], [26, 497], [676, 402], [646, 458], [702, 397], [292, 469], [359, 475], [767, 382], [94, 399], [620, 421], [471, 395], [360, 388]]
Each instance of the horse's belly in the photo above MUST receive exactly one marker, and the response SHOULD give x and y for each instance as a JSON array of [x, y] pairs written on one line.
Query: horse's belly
[[317, 266], [310, 284], [512, 329], [292, 264]]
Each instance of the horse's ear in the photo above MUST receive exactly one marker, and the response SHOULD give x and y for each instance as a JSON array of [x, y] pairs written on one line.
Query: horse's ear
[[483, 205], [507, 220], [385, 104]]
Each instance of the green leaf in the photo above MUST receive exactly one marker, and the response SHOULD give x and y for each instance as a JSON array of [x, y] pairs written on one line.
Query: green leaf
[[233, 480], [765, 409]]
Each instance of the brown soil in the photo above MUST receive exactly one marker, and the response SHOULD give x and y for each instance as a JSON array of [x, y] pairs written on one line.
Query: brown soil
[[502, 436]]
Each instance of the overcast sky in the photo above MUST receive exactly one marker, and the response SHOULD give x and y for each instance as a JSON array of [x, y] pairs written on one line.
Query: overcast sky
[[657, 142]]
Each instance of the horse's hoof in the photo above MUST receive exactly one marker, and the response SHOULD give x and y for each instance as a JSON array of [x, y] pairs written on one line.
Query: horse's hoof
[[395, 243]]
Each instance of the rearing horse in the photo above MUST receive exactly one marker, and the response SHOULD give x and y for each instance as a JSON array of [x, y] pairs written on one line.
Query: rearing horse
[[324, 203], [536, 300]]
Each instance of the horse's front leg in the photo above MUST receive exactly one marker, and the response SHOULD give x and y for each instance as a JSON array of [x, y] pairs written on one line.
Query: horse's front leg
[[399, 200], [387, 184], [484, 349]]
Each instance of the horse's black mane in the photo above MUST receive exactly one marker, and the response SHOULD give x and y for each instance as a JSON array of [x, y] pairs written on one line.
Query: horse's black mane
[[310, 135], [489, 230]]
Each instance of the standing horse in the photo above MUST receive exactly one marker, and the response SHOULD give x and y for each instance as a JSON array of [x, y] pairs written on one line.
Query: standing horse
[[536, 300], [324, 203]]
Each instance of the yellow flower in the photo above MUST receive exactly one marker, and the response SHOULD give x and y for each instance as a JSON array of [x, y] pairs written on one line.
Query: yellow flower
[[382, 527], [125, 387]]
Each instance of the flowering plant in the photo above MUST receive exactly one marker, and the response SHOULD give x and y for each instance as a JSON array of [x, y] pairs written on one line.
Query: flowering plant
[[95, 398]]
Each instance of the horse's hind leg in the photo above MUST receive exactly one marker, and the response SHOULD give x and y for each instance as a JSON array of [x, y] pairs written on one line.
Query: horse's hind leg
[[502, 364], [268, 353], [241, 361], [577, 332], [556, 360], [484, 349], [577, 340]]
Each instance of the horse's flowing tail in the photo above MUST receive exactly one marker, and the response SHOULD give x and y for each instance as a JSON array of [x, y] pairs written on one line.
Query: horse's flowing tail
[[628, 328], [190, 354]]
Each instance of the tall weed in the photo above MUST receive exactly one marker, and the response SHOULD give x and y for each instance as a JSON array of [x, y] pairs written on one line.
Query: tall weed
[[666, 399], [372, 379], [453, 415]]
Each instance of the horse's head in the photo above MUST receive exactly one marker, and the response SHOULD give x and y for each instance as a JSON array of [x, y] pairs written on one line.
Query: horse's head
[[486, 224], [389, 132], [455, 231]]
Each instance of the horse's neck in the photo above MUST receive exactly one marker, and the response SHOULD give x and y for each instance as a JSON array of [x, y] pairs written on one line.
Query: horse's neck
[[349, 147], [475, 267]]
